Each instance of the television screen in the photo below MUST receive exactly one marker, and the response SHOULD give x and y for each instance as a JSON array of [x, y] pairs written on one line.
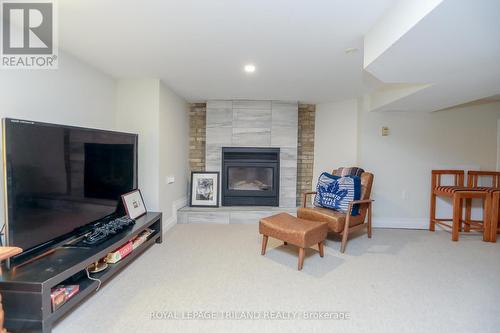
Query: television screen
[[60, 178], [109, 170]]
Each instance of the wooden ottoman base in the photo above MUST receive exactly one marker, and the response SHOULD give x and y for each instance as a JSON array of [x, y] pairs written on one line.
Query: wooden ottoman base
[[290, 229]]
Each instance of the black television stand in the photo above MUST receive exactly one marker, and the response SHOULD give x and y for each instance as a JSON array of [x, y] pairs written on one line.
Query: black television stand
[[26, 288]]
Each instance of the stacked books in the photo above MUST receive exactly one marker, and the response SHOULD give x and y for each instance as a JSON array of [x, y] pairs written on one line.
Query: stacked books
[[119, 254], [125, 250], [143, 236], [61, 294]]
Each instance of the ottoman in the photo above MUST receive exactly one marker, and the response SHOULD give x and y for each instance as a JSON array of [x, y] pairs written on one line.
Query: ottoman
[[290, 229]]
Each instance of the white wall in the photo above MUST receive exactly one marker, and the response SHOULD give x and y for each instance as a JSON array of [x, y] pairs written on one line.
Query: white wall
[[419, 142], [335, 141], [174, 151], [498, 144], [160, 117], [137, 111], [74, 94]]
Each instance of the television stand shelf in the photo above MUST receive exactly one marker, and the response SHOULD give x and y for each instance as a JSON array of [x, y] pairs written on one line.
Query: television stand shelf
[[26, 288]]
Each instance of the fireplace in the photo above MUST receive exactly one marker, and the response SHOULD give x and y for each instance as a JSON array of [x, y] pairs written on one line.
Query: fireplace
[[250, 176]]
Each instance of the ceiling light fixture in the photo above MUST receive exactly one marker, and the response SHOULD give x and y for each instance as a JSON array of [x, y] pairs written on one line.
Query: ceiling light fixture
[[249, 68], [351, 50]]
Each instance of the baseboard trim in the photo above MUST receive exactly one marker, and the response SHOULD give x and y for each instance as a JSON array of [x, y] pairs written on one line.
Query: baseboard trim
[[178, 204], [168, 223], [378, 222], [401, 223]]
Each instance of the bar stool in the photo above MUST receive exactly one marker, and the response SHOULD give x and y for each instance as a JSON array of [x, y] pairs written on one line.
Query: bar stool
[[458, 193], [473, 225], [494, 226], [473, 178], [445, 191]]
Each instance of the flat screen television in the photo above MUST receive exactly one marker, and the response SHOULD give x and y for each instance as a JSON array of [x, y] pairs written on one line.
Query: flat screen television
[[60, 179]]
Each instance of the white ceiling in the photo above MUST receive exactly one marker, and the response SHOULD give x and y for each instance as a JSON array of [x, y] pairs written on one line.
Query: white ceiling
[[198, 48], [453, 53]]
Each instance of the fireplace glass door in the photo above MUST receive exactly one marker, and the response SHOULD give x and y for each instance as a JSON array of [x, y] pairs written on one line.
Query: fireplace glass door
[[250, 176], [250, 179]]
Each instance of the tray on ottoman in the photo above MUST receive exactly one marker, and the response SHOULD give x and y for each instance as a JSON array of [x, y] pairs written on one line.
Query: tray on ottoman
[[290, 229]]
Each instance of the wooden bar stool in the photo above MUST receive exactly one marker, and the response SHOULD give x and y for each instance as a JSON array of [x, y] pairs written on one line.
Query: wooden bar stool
[[495, 210], [459, 194], [445, 191], [473, 179], [474, 225]]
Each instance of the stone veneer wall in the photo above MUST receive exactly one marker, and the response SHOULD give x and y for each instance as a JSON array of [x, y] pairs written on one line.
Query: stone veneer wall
[[243, 123], [305, 159], [197, 136]]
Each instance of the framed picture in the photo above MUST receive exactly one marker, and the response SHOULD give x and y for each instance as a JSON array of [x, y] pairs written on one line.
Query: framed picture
[[134, 205], [204, 189]]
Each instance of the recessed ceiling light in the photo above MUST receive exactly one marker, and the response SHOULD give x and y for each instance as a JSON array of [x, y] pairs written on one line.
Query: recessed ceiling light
[[351, 50], [249, 68]]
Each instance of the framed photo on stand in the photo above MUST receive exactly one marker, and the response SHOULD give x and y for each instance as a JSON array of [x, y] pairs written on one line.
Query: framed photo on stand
[[134, 204], [204, 189]]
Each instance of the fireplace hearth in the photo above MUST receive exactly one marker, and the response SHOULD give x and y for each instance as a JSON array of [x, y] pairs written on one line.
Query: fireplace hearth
[[250, 176]]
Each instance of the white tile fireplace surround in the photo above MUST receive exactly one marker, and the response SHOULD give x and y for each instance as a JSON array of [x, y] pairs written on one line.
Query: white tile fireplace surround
[[243, 123]]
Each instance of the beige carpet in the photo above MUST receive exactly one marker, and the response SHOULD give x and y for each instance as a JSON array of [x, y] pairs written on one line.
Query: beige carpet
[[399, 281]]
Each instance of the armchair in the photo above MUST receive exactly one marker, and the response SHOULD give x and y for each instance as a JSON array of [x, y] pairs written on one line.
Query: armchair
[[5, 253], [339, 222]]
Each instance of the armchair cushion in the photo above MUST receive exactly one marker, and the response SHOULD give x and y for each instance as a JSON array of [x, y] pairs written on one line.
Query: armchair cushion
[[335, 219], [352, 171], [337, 192]]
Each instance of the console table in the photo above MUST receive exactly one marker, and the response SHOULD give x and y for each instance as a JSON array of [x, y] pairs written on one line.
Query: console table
[[26, 288]]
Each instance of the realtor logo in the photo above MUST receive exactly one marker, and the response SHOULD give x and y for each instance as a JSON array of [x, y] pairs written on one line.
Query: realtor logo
[[28, 34]]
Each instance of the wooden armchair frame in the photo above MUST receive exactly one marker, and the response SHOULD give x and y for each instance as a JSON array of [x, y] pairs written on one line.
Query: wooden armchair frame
[[5, 253], [347, 228]]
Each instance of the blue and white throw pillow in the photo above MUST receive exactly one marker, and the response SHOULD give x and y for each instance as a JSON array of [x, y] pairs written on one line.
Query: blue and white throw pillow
[[337, 192]]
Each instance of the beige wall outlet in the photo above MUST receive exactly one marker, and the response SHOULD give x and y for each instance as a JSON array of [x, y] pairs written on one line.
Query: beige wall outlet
[[385, 131]]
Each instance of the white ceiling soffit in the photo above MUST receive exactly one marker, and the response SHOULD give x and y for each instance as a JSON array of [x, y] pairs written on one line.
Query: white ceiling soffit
[[482, 101], [443, 57]]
